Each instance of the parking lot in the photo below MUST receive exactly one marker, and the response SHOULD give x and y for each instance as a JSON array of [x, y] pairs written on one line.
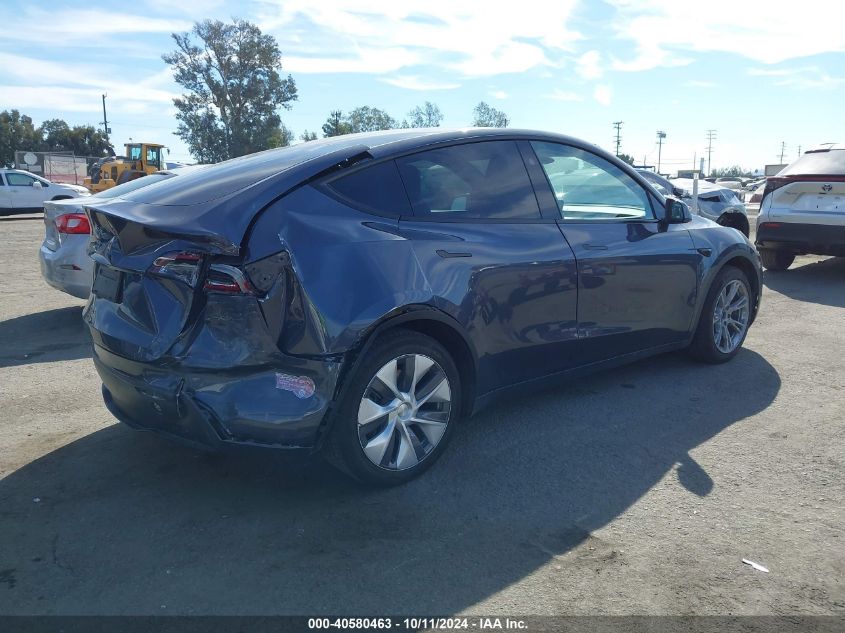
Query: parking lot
[[635, 491]]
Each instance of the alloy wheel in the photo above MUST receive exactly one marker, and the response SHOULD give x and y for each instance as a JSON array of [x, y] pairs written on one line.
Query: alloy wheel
[[404, 412], [730, 316]]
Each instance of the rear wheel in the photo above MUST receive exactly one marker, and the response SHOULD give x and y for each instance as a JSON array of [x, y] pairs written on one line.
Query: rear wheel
[[776, 260], [724, 319], [398, 411]]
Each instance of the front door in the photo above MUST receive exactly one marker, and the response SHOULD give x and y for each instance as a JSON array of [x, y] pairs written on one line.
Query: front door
[[501, 269], [637, 279]]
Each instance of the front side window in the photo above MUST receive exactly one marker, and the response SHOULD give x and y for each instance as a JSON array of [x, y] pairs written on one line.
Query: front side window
[[19, 180], [589, 188], [485, 180]]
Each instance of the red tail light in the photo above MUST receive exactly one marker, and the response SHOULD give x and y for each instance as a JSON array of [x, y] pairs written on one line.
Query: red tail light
[[73, 224], [224, 278], [183, 266]]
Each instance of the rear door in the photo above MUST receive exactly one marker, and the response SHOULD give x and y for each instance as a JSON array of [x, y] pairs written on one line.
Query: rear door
[[491, 260], [637, 280]]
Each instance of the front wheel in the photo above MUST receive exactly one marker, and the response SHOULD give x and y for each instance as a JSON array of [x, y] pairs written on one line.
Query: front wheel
[[398, 411], [724, 319], [776, 260]]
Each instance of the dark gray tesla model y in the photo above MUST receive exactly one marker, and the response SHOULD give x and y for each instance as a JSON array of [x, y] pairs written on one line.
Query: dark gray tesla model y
[[359, 295]]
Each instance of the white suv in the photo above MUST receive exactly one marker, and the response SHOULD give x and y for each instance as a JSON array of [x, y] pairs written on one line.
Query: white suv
[[803, 209], [23, 192]]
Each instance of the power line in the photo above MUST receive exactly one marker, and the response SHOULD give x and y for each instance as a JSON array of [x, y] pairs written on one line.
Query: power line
[[711, 136], [618, 126]]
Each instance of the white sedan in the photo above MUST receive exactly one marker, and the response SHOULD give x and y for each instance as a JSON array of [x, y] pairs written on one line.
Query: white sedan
[[23, 192]]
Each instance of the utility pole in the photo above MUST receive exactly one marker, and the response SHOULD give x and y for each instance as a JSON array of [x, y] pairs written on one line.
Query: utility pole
[[618, 126], [660, 136], [799, 151], [782, 150], [105, 120], [711, 136]]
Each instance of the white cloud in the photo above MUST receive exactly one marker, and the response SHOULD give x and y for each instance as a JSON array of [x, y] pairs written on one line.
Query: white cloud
[[415, 82], [499, 94], [765, 31], [561, 95], [469, 40], [80, 27], [603, 94], [802, 78], [589, 65]]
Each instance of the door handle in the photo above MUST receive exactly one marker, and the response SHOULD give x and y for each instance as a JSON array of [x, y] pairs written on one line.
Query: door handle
[[448, 254], [596, 247]]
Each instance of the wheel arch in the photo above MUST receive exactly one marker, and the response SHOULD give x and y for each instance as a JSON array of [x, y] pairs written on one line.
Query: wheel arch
[[431, 322], [61, 197], [736, 220], [742, 261]]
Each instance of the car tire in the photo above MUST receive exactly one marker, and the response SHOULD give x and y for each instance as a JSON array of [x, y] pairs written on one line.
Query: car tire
[[776, 260], [724, 321], [406, 440]]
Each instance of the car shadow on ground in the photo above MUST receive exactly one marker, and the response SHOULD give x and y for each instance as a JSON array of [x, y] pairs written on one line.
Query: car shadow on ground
[[820, 282], [124, 522], [44, 337]]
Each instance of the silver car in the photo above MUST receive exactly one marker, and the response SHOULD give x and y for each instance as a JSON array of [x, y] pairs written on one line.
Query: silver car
[[65, 264], [715, 202]]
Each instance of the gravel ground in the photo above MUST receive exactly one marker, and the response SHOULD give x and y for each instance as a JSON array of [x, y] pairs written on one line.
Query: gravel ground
[[636, 491]]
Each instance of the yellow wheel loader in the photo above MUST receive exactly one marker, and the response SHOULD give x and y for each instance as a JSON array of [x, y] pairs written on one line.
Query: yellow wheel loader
[[141, 159]]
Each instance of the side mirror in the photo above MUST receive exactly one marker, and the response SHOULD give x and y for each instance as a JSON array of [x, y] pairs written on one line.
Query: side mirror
[[676, 212], [37, 184]]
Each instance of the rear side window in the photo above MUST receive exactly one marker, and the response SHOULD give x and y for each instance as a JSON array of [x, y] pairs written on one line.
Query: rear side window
[[485, 180], [817, 163], [377, 189]]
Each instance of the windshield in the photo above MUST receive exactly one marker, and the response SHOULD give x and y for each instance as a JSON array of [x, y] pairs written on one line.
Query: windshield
[[132, 185]]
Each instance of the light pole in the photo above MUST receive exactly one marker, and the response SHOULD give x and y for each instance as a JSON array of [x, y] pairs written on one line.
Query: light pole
[[660, 136]]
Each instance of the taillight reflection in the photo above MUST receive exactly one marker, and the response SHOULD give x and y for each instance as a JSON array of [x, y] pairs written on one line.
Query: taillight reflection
[[73, 224], [182, 266]]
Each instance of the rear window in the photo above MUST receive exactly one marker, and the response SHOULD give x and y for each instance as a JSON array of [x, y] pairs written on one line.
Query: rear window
[[377, 189], [132, 185], [817, 163]]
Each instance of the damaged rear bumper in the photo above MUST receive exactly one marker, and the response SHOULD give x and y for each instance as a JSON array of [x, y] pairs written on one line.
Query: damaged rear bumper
[[279, 405]]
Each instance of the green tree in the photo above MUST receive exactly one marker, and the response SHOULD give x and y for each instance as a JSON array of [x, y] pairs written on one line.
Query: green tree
[[735, 171], [486, 116], [336, 125], [82, 140], [367, 119], [280, 137], [427, 115], [308, 136], [627, 158], [17, 133], [233, 88]]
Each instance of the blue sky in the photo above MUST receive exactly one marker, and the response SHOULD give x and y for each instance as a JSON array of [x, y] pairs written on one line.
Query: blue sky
[[759, 72]]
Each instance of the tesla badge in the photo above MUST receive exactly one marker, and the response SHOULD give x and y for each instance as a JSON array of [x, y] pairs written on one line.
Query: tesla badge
[[827, 187]]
